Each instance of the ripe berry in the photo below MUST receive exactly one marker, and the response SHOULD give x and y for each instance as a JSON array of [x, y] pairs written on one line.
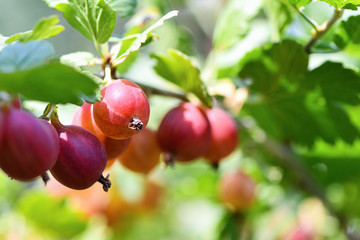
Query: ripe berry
[[83, 117], [224, 135], [82, 157], [143, 153], [184, 132], [123, 111], [29, 146], [237, 190]]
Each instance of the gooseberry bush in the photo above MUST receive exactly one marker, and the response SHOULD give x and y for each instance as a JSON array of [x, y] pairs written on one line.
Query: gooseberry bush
[[218, 120]]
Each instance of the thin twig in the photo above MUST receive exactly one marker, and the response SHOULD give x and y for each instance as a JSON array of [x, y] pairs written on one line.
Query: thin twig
[[306, 18], [152, 90], [321, 30]]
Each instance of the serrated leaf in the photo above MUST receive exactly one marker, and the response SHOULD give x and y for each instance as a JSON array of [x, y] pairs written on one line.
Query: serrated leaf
[[51, 214], [346, 4], [233, 23], [78, 59], [124, 8], [285, 117], [269, 66], [45, 28], [337, 83], [94, 19], [134, 42], [22, 56], [348, 32], [54, 83], [177, 68], [284, 88]]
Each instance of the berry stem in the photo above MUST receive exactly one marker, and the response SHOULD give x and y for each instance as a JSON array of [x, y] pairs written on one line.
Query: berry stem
[[169, 160], [105, 181], [45, 177], [135, 124]]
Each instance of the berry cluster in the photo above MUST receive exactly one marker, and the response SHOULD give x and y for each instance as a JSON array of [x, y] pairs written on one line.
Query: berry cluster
[[115, 129]]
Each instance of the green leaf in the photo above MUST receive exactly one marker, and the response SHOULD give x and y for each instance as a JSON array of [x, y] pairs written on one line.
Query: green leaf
[[299, 3], [267, 67], [78, 59], [348, 32], [54, 83], [286, 117], [132, 44], [179, 69], [52, 214], [22, 56], [45, 28], [233, 23], [280, 14], [346, 4], [294, 104], [124, 8], [94, 19], [337, 83], [53, 3]]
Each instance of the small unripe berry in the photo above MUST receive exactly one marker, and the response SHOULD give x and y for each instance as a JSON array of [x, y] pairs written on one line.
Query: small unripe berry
[[237, 190]]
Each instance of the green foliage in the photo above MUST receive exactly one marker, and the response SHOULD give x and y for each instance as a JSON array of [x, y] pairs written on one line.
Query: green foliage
[[290, 97], [78, 59], [299, 3], [45, 28], [233, 24], [124, 8], [53, 82], [132, 43], [51, 214], [280, 14], [22, 56], [348, 32], [92, 18], [345, 4], [179, 69]]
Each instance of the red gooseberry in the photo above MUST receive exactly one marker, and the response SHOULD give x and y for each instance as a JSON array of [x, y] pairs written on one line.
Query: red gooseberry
[[143, 152], [224, 135], [123, 111], [184, 132], [237, 190], [82, 157], [29, 146]]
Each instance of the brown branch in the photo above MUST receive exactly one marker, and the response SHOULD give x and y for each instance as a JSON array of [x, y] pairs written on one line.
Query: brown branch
[[321, 30]]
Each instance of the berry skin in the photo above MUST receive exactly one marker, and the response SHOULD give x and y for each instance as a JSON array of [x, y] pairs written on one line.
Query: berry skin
[[184, 132], [224, 135], [82, 157], [29, 146], [83, 117], [123, 111], [237, 190], [143, 153]]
